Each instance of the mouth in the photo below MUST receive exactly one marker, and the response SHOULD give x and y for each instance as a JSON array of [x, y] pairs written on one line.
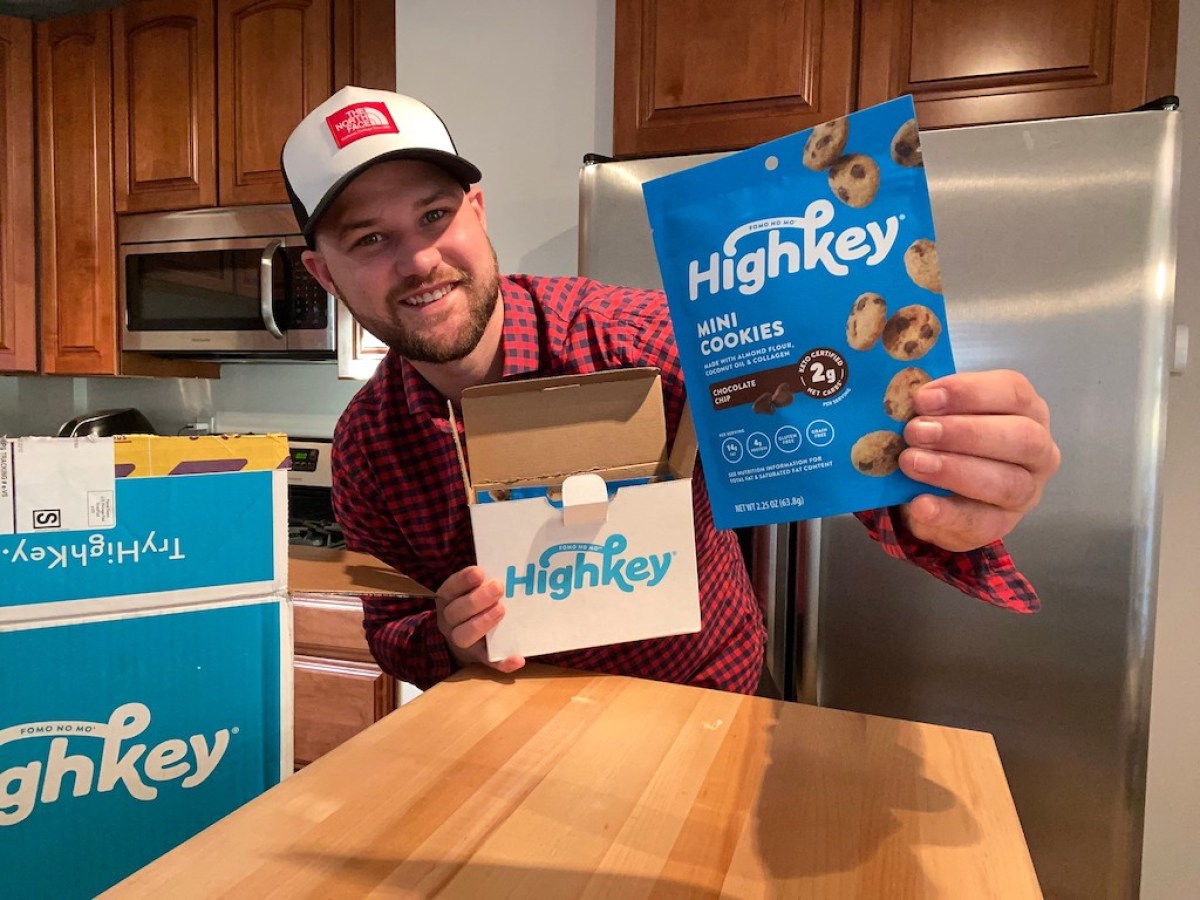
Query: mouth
[[417, 301]]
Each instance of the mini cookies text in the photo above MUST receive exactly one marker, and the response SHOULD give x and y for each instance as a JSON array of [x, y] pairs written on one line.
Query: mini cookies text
[[749, 271]]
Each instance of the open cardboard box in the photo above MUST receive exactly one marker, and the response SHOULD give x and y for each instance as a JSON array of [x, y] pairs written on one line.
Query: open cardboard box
[[603, 550]]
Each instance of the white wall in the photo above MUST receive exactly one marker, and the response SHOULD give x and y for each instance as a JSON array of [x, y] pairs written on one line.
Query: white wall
[[1171, 856], [525, 87]]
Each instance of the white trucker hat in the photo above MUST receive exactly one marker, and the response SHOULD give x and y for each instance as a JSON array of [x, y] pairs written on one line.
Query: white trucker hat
[[349, 133]]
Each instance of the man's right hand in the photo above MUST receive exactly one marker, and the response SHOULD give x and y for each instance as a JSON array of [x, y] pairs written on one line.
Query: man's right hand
[[468, 607]]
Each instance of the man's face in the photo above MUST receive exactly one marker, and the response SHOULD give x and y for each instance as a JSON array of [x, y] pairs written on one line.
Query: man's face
[[408, 252]]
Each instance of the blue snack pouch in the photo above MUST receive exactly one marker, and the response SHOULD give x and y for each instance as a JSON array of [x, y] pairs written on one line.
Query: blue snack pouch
[[803, 286]]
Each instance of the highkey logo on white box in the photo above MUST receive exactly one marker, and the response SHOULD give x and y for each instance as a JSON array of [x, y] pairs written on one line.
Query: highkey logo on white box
[[579, 512]]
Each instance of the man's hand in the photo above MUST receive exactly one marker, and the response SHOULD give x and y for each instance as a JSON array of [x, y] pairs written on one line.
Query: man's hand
[[468, 607], [985, 436]]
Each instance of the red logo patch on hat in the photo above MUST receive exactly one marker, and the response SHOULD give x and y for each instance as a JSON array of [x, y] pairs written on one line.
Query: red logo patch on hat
[[361, 120]]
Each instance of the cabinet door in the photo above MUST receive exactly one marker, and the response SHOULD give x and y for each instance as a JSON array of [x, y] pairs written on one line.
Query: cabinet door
[[274, 66], [364, 44], [164, 87], [335, 700], [78, 246], [18, 312], [694, 75], [1009, 60]]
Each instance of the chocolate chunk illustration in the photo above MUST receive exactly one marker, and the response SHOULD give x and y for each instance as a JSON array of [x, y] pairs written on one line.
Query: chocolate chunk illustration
[[764, 405]]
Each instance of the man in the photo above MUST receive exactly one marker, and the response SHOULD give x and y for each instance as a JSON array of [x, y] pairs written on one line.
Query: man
[[396, 224]]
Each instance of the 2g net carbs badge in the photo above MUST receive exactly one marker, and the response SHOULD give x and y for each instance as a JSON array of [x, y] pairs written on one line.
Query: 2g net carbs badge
[[803, 284]]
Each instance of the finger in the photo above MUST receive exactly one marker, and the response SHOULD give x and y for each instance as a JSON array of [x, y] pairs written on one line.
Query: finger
[[1013, 439], [1001, 392], [459, 583], [473, 630], [460, 609], [1000, 484], [508, 665], [958, 523]]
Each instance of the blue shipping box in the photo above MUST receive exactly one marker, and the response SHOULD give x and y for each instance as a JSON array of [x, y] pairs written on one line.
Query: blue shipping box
[[145, 648]]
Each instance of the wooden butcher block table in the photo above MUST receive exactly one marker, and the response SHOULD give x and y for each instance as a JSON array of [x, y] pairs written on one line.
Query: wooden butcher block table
[[557, 784]]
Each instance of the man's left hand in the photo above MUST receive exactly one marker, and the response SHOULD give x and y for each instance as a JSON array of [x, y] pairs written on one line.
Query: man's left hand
[[985, 436]]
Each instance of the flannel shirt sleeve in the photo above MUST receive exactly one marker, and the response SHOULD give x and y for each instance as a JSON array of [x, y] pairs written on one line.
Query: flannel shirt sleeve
[[401, 630], [988, 573]]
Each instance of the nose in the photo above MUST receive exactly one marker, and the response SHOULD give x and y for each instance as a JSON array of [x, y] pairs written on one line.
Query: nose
[[418, 260]]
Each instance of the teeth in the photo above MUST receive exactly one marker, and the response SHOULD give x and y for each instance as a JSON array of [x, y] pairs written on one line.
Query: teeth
[[424, 299]]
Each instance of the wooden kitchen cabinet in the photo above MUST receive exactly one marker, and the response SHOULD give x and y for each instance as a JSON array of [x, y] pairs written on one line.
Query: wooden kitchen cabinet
[[364, 44], [694, 75], [77, 283], [18, 311], [274, 65], [77, 277], [974, 63], [207, 91], [698, 75], [339, 690], [165, 95]]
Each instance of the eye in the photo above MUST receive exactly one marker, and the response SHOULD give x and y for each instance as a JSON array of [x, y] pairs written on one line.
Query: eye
[[433, 215], [367, 240]]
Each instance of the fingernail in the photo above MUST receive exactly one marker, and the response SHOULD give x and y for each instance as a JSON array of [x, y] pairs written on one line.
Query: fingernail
[[924, 431], [934, 399], [924, 462]]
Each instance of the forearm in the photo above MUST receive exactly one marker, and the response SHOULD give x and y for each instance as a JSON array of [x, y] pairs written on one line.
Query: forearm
[[987, 573], [405, 640]]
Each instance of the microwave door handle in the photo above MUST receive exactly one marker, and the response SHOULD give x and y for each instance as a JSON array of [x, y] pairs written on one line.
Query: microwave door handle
[[266, 283]]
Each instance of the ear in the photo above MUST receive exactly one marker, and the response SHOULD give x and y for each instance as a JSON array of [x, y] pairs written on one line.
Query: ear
[[315, 263], [475, 200]]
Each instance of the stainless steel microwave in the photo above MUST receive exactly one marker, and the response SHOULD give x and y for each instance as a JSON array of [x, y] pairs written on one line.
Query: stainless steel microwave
[[222, 283]]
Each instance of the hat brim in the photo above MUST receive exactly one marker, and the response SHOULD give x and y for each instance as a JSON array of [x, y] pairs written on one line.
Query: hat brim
[[464, 172]]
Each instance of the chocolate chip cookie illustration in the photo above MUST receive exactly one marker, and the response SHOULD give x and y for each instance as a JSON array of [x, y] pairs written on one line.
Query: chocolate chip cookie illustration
[[781, 396], [898, 398], [854, 179], [911, 332], [825, 145], [921, 261], [877, 453], [865, 324], [906, 145]]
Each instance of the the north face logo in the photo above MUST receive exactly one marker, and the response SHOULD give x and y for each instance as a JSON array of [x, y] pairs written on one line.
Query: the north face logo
[[361, 120]]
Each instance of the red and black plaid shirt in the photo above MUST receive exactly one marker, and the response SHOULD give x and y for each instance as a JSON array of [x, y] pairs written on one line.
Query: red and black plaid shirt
[[398, 492]]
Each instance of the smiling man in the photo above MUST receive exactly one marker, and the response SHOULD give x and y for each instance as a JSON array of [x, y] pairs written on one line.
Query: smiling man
[[397, 228]]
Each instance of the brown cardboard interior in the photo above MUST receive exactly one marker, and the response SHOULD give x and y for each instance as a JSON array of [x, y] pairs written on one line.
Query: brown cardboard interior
[[320, 570], [543, 429]]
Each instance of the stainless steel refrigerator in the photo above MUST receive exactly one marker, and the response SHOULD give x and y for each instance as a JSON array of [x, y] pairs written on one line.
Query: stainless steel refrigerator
[[1057, 245]]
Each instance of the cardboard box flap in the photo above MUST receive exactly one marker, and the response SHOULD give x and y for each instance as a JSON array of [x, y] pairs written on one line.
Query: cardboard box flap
[[553, 427], [683, 452], [320, 570]]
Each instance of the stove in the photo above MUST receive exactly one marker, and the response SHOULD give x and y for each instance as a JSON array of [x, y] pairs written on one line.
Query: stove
[[310, 496]]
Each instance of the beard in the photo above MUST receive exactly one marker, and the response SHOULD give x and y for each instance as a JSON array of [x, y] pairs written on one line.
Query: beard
[[482, 294]]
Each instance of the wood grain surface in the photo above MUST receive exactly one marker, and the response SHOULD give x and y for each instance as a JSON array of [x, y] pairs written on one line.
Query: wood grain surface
[[555, 784]]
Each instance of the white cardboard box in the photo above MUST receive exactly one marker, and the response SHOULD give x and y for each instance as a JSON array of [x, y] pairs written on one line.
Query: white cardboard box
[[611, 561]]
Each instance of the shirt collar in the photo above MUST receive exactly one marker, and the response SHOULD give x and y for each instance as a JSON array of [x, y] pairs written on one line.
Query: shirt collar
[[519, 343]]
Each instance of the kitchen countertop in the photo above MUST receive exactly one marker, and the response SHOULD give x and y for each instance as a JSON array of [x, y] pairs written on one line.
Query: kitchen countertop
[[554, 783]]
